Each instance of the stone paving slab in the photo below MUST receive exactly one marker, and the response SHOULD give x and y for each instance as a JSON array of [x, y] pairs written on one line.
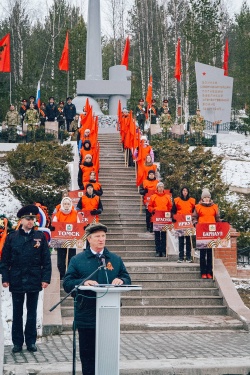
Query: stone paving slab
[[155, 353]]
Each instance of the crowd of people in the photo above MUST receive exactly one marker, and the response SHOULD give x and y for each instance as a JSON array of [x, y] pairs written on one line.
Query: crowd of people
[[25, 261]]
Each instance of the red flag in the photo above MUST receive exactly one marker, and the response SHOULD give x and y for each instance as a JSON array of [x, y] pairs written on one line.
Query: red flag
[[64, 61], [177, 73], [150, 92], [5, 54], [226, 56], [126, 53]]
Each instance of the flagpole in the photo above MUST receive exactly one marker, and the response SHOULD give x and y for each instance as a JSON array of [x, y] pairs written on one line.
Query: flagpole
[[10, 90], [67, 83]]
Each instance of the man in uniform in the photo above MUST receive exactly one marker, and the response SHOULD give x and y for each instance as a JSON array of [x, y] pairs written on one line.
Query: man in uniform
[[197, 126], [60, 116], [166, 121], [31, 118], [153, 113], [23, 110], [164, 106], [51, 110], [12, 119], [80, 267], [140, 114], [26, 270], [69, 112]]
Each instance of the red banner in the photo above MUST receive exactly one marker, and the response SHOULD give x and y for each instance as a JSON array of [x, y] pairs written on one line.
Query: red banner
[[162, 221], [213, 235], [67, 235], [75, 195], [183, 225]]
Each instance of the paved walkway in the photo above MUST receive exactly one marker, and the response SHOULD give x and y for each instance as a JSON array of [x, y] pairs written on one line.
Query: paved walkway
[[186, 352]]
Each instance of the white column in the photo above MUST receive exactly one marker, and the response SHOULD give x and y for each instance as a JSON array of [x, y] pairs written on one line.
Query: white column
[[94, 50]]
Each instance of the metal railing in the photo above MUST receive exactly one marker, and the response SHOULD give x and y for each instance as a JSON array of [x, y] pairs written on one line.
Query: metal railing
[[243, 256]]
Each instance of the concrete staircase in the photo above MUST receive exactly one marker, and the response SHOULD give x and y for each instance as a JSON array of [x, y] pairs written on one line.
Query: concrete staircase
[[172, 294]]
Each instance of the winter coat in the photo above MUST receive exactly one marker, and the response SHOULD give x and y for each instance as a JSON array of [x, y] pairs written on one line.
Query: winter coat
[[80, 267], [26, 261], [69, 111]]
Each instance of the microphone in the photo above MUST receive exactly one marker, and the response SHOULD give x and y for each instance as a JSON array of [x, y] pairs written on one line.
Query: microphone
[[102, 259]]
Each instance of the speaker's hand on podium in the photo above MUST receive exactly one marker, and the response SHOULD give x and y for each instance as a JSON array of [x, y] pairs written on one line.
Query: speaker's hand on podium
[[90, 283], [117, 282]]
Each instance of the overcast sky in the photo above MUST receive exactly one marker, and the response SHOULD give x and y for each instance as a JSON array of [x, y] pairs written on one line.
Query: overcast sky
[[233, 6]]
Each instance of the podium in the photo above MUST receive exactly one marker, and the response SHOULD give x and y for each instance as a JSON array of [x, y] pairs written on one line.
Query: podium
[[108, 305]]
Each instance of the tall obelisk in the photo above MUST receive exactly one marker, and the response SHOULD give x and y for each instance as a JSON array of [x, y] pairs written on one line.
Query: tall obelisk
[[94, 50]]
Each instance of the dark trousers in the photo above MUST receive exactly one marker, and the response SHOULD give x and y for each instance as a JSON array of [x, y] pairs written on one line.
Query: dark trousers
[[61, 260], [148, 222], [206, 261], [160, 241], [87, 350], [30, 333], [68, 122], [141, 124], [181, 247]]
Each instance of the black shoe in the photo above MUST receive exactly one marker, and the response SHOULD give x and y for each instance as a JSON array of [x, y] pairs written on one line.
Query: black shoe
[[32, 348], [157, 255], [163, 254], [17, 349]]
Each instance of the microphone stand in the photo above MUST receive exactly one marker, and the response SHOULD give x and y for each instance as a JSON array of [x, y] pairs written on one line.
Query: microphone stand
[[75, 289]]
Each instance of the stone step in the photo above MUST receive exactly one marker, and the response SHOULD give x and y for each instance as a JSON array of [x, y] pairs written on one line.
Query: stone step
[[125, 253], [191, 283], [129, 241], [168, 266], [171, 301], [164, 276]]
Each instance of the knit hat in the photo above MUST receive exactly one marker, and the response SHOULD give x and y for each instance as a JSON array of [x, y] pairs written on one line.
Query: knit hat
[[205, 193], [151, 171]]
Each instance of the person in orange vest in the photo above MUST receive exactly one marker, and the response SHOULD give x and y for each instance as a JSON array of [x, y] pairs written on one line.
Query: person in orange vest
[[85, 168], [67, 214], [206, 211], [184, 205], [90, 201], [5, 228], [85, 149], [160, 201], [148, 185], [96, 185], [148, 165]]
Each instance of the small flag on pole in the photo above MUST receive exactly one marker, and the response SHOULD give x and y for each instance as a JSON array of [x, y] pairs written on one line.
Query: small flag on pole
[[5, 66], [38, 95], [177, 74], [226, 57], [126, 53], [64, 61]]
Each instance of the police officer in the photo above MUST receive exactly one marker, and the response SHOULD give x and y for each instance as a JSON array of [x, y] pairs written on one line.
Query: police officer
[[26, 270], [140, 113], [69, 112], [12, 119]]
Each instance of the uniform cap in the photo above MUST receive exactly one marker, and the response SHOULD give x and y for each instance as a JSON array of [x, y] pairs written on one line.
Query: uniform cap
[[141, 100], [165, 101], [28, 211], [61, 102], [92, 228], [24, 100], [69, 98], [52, 97], [32, 97]]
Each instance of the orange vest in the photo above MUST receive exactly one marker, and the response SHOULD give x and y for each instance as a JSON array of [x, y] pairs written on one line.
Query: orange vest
[[150, 185], [160, 202], [84, 152], [145, 151], [184, 207], [67, 218], [90, 204], [86, 173], [96, 185], [207, 214]]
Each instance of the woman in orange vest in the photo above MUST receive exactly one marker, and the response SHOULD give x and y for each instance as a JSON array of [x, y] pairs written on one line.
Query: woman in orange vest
[[148, 165], [148, 186], [160, 201], [85, 169], [86, 149], [206, 211], [66, 214], [184, 205]]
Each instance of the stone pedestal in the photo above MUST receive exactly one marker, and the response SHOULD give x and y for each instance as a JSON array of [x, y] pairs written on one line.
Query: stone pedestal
[[51, 127], [229, 256]]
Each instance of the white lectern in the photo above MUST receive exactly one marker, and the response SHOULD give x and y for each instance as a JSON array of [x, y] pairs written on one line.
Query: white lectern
[[108, 305]]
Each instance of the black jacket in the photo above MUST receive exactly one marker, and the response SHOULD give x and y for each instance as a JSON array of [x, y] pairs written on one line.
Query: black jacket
[[26, 261], [80, 267], [51, 112], [69, 111]]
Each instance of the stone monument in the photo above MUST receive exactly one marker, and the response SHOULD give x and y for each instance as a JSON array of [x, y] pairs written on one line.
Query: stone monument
[[117, 87]]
